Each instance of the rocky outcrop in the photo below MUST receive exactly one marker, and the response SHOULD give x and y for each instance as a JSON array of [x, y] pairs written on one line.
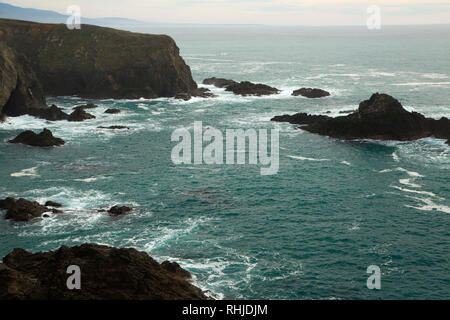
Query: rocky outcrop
[[199, 92], [176, 269], [20, 89], [448, 142], [311, 93], [219, 82], [86, 106], [113, 111], [43, 139], [53, 204], [106, 274], [22, 209], [246, 88], [117, 210], [381, 117], [97, 62], [80, 115]]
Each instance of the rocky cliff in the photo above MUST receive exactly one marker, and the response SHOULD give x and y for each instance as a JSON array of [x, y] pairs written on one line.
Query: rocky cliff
[[105, 274], [97, 62], [20, 90]]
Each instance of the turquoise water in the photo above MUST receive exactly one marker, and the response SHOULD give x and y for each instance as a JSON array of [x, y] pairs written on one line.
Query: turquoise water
[[309, 232]]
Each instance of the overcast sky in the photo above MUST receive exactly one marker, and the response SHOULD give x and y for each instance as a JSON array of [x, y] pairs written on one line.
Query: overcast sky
[[274, 12]]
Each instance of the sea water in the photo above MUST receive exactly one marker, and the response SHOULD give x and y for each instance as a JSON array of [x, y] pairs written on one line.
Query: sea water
[[309, 232]]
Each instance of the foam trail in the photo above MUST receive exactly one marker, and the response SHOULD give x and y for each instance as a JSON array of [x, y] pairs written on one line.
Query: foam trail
[[31, 172], [307, 159]]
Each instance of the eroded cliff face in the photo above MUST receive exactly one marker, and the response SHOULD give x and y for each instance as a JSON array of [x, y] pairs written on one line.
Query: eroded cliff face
[[20, 90], [97, 62]]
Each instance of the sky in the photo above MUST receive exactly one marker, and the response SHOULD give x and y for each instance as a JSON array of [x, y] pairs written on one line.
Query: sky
[[269, 12]]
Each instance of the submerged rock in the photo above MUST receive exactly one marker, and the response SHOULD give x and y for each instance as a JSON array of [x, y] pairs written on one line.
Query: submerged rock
[[106, 274], [113, 111], [43, 139], [381, 117], [86, 106], [246, 88], [80, 115], [183, 96], [21, 209], [117, 211], [219, 82], [311, 93], [114, 128], [448, 142], [53, 204]]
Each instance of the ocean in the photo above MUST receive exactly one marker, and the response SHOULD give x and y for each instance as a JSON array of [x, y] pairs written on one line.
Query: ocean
[[309, 232]]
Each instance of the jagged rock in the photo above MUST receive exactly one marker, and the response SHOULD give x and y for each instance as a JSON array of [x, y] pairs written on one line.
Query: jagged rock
[[311, 93], [80, 115], [299, 118], [381, 117], [219, 82], [176, 269], [113, 111], [106, 274], [203, 93], [21, 209], [43, 139], [102, 63], [246, 88], [114, 128], [53, 204], [117, 211], [52, 113]]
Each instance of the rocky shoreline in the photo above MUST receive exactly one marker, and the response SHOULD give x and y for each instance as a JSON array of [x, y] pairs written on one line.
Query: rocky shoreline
[[106, 273]]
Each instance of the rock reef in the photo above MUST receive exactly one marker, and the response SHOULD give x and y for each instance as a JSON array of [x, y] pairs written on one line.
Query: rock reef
[[246, 88], [22, 209], [219, 82], [382, 117], [43, 139], [311, 93], [106, 274]]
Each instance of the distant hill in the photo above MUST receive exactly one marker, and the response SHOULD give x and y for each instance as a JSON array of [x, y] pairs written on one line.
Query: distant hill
[[8, 11]]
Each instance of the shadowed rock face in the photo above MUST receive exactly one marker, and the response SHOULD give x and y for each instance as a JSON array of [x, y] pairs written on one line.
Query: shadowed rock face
[[381, 117], [97, 62], [80, 115], [20, 89], [43, 139], [106, 273], [246, 88], [311, 93]]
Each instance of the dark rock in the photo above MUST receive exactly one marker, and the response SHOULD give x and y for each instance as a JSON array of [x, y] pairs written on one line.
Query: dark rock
[[102, 63], [53, 204], [183, 96], [43, 139], [346, 111], [176, 269], [21, 209], [106, 274], [448, 142], [219, 82], [80, 115], [113, 111], [56, 211], [117, 211], [311, 93], [45, 216], [52, 113], [381, 117], [3, 117], [114, 128], [299, 118], [247, 88], [203, 93]]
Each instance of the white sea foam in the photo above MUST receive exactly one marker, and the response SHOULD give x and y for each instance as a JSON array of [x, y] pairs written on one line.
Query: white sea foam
[[430, 205], [30, 172], [307, 159], [407, 182], [426, 193], [395, 157]]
